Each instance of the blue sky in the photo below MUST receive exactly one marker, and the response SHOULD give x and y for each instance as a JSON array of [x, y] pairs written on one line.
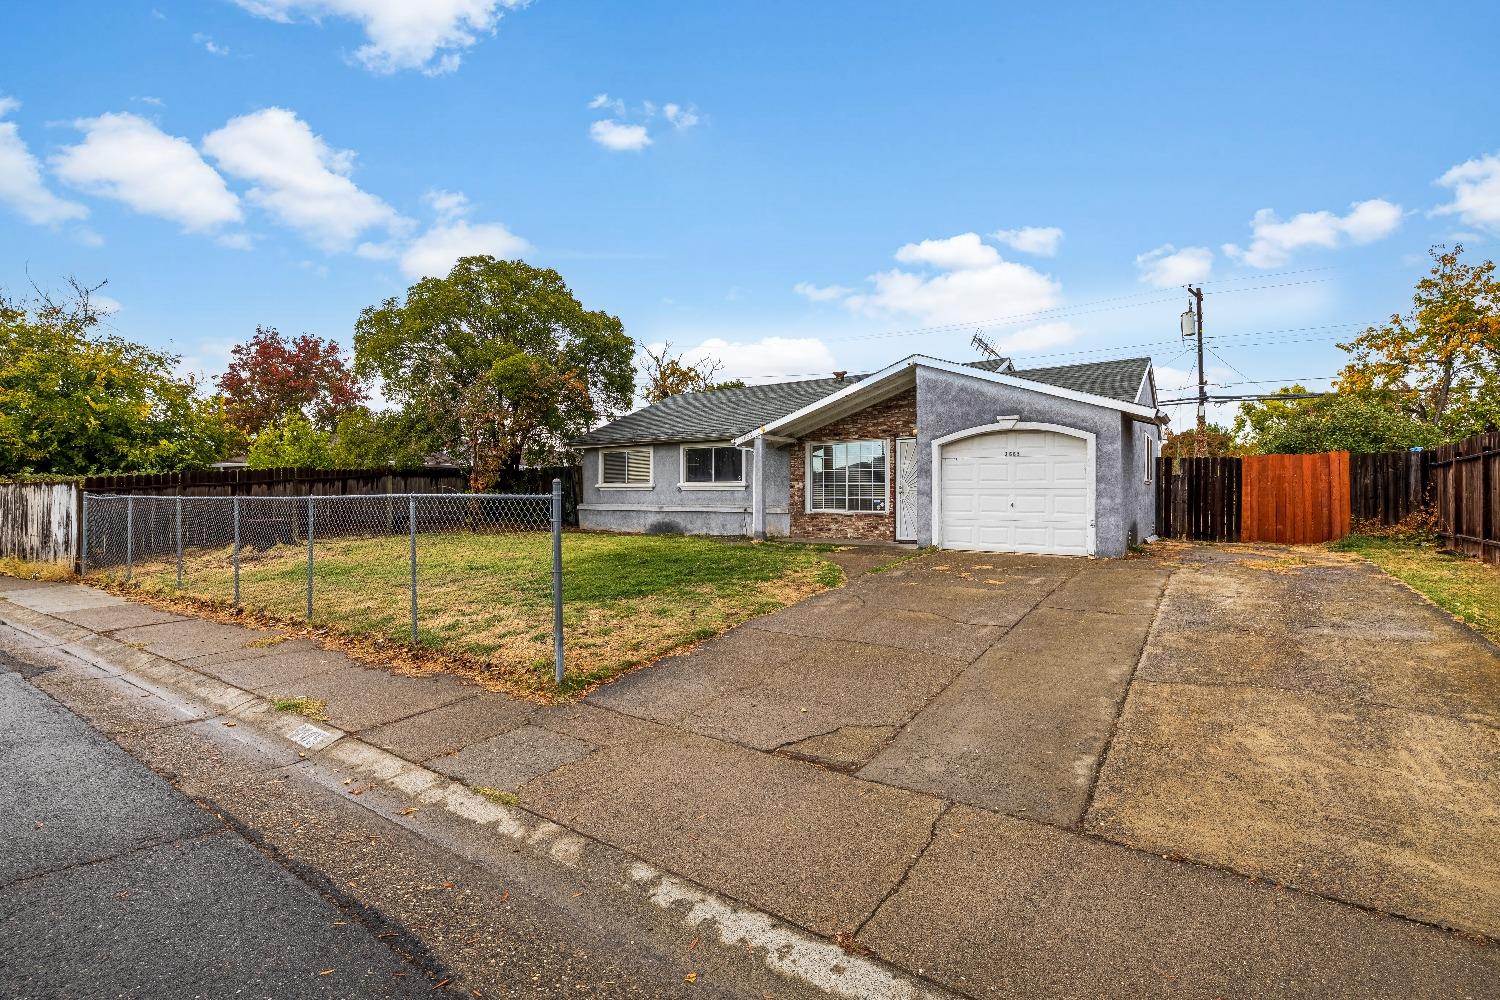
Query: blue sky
[[796, 186]]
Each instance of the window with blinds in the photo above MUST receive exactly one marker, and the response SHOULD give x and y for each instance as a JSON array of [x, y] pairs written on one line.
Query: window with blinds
[[847, 476], [625, 467]]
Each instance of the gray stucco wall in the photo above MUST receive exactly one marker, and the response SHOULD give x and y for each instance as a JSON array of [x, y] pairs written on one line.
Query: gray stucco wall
[[1140, 496], [668, 507], [948, 403]]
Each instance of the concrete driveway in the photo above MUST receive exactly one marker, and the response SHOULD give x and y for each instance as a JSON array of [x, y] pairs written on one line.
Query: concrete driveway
[[1290, 715]]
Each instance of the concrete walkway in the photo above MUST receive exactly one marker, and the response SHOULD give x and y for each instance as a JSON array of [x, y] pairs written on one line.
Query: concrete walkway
[[958, 763]]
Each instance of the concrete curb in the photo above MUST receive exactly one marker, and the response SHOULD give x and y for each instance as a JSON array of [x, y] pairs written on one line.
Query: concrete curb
[[339, 760]]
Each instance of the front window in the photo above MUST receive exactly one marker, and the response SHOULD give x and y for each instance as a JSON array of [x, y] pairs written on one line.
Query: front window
[[847, 476], [1150, 452], [710, 466], [625, 467]]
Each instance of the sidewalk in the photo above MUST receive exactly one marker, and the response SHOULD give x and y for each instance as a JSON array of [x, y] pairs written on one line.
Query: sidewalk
[[959, 897]]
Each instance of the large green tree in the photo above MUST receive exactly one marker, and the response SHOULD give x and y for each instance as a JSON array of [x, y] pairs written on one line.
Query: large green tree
[[498, 360], [1440, 363], [75, 400], [1355, 422]]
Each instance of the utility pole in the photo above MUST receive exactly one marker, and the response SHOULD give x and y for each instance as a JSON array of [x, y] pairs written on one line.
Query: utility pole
[[1200, 437]]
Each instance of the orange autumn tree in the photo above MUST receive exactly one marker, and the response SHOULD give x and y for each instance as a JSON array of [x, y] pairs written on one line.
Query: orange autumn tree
[[1440, 363]]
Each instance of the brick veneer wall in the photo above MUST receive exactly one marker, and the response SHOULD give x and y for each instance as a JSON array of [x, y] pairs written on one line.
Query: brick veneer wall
[[893, 418]]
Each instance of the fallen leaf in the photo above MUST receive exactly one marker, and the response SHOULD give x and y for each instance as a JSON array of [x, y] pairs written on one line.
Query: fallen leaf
[[694, 943], [326, 972], [691, 977], [441, 983], [230, 725]]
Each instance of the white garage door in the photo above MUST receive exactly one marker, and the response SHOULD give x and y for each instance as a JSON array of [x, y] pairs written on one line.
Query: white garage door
[[1016, 491]]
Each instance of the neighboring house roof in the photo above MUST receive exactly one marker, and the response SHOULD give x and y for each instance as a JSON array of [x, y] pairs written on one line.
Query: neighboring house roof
[[730, 414], [715, 415]]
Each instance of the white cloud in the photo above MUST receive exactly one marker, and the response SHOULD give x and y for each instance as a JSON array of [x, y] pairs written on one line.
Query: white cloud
[[451, 236], [400, 34], [619, 136], [107, 306], [821, 293], [434, 252], [964, 280], [1476, 192], [21, 185], [1169, 267], [209, 45], [298, 178], [680, 117], [1040, 240], [770, 356], [960, 252], [605, 102], [1274, 240], [447, 205], [127, 158]]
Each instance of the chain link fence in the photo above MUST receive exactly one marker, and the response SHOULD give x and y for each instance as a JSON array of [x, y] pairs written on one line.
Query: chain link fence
[[359, 559]]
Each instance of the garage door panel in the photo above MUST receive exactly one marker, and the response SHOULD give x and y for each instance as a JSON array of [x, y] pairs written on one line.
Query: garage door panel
[[1035, 501]]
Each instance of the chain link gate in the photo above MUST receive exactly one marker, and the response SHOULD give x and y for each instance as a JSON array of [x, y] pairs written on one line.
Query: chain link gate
[[212, 538]]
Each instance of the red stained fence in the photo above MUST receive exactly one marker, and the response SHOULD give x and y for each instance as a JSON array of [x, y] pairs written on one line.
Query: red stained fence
[[1295, 499], [1466, 481]]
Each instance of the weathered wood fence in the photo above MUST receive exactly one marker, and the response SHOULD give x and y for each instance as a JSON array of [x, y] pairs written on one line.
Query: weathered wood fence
[[1198, 498], [39, 521], [1389, 486], [283, 482], [1465, 478]]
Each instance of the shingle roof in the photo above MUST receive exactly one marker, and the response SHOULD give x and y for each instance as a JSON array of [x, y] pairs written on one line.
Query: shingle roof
[[716, 415], [1113, 379], [725, 414]]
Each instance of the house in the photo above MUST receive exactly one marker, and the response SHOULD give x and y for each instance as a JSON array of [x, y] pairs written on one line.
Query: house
[[979, 456]]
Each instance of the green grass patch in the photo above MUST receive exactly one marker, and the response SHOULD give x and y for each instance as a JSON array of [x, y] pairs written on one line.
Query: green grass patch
[[497, 796], [627, 599], [312, 708], [1461, 585]]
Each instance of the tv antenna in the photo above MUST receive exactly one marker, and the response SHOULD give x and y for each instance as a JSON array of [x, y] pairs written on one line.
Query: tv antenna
[[985, 347]]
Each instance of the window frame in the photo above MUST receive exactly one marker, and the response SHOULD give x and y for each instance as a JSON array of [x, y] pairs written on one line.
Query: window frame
[[650, 482], [807, 477], [682, 480], [1150, 452]]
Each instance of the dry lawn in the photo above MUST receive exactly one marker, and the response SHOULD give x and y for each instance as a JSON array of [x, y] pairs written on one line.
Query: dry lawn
[[627, 599]]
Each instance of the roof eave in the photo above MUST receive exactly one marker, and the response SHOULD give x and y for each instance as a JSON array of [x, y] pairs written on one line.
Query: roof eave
[[923, 361]]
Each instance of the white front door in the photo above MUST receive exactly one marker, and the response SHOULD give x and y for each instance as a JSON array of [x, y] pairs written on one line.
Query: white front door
[[1016, 491], [906, 488]]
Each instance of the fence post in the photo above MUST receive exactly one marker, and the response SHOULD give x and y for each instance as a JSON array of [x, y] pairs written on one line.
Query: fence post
[[83, 545], [129, 536], [411, 521], [236, 505], [557, 598], [179, 543], [309, 556]]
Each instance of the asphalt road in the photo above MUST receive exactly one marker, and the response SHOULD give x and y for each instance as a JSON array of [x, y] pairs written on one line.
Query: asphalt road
[[114, 884]]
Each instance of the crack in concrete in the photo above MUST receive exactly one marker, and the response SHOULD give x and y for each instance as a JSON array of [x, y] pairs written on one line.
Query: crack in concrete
[[916, 859]]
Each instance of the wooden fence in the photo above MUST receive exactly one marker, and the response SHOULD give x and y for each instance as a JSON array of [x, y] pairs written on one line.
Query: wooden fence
[[1198, 498], [39, 521], [283, 482], [1295, 499], [1465, 478], [1389, 486]]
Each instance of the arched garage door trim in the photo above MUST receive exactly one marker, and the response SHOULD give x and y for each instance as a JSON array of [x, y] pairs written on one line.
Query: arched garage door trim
[[1011, 425]]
